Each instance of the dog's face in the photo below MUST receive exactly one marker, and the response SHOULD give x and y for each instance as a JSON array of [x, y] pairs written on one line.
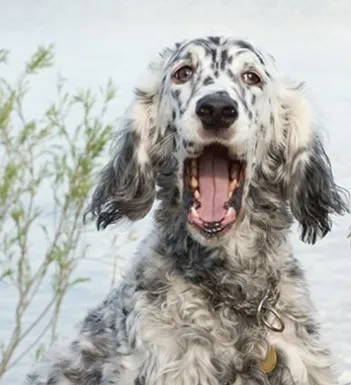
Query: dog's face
[[225, 136], [215, 92]]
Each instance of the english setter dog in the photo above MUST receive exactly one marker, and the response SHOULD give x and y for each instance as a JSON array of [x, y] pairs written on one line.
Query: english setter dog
[[214, 296]]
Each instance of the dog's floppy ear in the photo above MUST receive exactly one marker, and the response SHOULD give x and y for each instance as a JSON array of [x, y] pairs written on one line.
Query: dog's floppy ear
[[126, 186], [314, 195], [309, 184]]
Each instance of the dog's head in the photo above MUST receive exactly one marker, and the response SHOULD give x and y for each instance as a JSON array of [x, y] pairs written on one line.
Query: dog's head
[[224, 136]]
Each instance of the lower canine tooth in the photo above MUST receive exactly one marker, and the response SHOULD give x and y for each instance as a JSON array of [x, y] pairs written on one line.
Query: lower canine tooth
[[194, 183], [194, 212], [230, 211]]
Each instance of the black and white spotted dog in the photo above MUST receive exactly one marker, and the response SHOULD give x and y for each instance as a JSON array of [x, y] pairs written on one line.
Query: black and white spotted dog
[[215, 295]]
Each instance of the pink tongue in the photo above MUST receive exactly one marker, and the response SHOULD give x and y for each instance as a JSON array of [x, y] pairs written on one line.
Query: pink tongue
[[214, 185]]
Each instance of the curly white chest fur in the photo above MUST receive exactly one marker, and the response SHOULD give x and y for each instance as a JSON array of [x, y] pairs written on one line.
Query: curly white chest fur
[[184, 341]]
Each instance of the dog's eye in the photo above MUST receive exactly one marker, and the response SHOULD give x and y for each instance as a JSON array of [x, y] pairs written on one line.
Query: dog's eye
[[251, 78], [183, 74]]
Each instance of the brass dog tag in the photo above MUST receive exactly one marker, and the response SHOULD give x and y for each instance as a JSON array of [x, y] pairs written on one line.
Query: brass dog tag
[[270, 362]]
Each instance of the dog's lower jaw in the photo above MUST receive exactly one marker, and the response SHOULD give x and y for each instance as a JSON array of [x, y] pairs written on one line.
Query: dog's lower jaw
[[211, 241]]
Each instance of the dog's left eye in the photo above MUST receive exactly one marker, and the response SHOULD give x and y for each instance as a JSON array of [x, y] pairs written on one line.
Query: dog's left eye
[[251, 78], [183, 74]]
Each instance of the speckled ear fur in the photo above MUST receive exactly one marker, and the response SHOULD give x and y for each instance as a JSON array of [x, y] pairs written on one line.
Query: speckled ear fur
[[126, 187], [309, 182]]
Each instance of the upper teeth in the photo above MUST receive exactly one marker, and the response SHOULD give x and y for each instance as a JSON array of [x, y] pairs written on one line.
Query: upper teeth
[[233, 184], [194, 183]]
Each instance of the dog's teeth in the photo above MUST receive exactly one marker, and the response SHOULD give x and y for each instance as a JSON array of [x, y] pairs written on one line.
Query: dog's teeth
[[194, 212], [232, 185], [213, 227], [194, 183], [197, 195], [230, 211]]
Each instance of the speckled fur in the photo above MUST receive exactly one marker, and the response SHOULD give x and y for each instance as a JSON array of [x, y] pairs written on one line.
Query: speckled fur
[[185, 313]]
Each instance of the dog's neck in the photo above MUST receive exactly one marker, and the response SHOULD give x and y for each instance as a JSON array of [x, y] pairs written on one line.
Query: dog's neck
[[251, 250], [223, 274]]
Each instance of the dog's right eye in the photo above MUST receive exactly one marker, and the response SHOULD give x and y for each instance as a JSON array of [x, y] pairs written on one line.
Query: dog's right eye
[[183, 74], [251, 78]]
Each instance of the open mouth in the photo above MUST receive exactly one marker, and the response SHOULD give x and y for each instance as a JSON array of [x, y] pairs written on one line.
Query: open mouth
[[215, 181]]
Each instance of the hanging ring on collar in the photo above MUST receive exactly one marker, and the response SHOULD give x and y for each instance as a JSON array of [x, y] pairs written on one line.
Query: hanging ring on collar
[[262, 317]]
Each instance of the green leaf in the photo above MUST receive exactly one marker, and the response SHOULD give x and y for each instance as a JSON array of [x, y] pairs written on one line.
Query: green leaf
[[4, 54], [79, 280], [6, 110], [39, 352], [42, 58]]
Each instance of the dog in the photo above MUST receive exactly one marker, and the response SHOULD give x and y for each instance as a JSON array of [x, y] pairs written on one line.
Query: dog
[[232, 153]]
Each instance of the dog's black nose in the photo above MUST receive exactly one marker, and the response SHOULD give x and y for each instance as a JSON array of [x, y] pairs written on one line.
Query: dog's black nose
[[217, 111]]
